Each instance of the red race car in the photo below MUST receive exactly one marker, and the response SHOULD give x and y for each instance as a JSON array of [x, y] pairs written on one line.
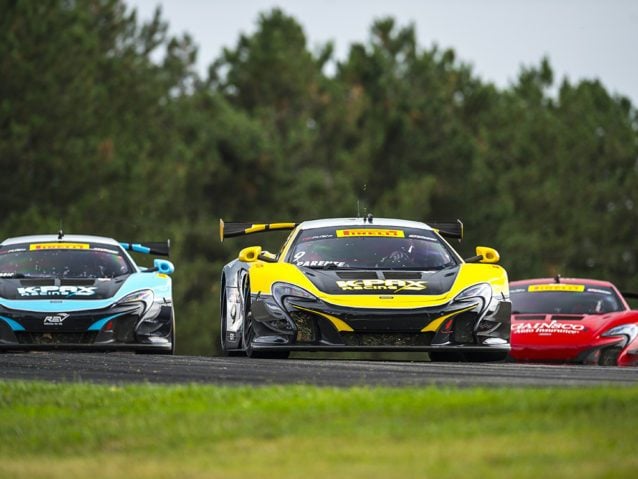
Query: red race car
[[572, 320]]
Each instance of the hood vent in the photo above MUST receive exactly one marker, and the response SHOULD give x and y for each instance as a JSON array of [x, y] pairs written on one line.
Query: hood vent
[[357, 275], [77, 282], [529, 317], [402, 274], [567, 317], [38, 282]]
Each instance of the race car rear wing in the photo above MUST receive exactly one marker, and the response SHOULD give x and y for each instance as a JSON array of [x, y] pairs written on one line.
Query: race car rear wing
[[158, 248], [448, 229], [230, 230]]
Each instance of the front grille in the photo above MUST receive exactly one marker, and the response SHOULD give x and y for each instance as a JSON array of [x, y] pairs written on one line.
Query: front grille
[[124, 328], [87, 337], [387, 339], [306, 324], [609, 356], [464, 327]]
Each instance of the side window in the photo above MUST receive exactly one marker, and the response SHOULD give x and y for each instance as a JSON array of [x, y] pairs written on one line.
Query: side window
[[289, 239]]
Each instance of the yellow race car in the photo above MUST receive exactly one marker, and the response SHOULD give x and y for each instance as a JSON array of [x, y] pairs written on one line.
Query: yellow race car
[[364, 284]]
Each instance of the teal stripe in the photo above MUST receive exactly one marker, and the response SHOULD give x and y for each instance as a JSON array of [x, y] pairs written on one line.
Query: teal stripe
[[99, 324], [13, 324]]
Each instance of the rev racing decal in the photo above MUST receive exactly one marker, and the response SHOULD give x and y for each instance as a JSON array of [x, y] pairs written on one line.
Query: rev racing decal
[[393, 285], [546, 329], [55, 319], [59, 291], [359, 232]]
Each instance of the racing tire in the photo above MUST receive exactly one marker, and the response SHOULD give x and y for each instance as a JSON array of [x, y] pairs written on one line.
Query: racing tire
[[225, 351]]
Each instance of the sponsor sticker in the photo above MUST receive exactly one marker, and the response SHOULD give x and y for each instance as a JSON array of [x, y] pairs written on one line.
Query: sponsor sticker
[[570, 288], [354, 233], [64, 291], [394, 285], [599, 291], [547, 329], [320, 263], [42, 246], [317, 237], [55, 319]]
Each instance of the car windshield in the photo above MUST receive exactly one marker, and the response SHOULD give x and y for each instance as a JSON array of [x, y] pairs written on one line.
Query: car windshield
[[62, 260], [564, 299], [370, 247]]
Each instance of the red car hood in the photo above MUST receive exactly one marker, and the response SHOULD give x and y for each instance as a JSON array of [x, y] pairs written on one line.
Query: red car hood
[[562, 336]]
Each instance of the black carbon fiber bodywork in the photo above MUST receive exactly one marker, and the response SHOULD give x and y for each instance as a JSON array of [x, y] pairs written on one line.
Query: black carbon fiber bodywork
[[128, 328]]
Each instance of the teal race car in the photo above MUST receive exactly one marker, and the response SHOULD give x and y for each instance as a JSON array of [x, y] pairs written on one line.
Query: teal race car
[[84, 292]]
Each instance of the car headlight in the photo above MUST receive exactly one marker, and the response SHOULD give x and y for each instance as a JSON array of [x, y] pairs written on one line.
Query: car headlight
[[630, 331], [144, 297], [479, 293], [281, 291]]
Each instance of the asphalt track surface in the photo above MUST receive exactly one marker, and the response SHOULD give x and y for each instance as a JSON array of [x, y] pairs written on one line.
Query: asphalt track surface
[[120, 368]]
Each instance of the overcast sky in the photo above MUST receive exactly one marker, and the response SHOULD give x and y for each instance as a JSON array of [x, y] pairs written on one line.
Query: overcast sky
[[582, 38]]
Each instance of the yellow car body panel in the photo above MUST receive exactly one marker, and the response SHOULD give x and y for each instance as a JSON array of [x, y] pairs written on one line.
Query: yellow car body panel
[[263, 275]]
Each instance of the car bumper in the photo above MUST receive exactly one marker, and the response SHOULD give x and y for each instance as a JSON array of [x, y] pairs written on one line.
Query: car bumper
[[320, 326]]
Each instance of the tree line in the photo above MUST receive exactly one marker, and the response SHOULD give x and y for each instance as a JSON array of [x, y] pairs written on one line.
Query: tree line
[[99, 136]]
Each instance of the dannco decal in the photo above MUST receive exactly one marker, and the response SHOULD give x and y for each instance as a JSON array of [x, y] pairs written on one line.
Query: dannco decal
[[394, 285], [370, 232], [41, 246], [571, 288], [64, 291], [553, 327], [55, 319]]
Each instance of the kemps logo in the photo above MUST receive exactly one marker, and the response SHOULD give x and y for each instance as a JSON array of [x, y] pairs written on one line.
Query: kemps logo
[[390, 285], [57, 291], [547, 329], [55, 319]]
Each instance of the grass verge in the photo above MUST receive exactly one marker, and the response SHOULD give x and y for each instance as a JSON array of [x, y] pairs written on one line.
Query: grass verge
[[140, 431]]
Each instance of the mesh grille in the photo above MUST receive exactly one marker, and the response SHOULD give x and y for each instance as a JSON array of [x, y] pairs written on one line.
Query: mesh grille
[[383, 339], [306, 326], [56, 338], [464, 327]]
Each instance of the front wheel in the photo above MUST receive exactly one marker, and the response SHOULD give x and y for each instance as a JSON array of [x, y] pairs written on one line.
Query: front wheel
[[225, 349]]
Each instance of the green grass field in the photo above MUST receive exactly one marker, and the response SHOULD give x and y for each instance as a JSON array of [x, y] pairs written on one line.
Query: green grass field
[[149, 431]]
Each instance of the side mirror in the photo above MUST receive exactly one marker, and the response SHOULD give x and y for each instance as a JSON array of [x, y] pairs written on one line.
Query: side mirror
[[254, 253], [490, 255], [250, 254], [163, 266]]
